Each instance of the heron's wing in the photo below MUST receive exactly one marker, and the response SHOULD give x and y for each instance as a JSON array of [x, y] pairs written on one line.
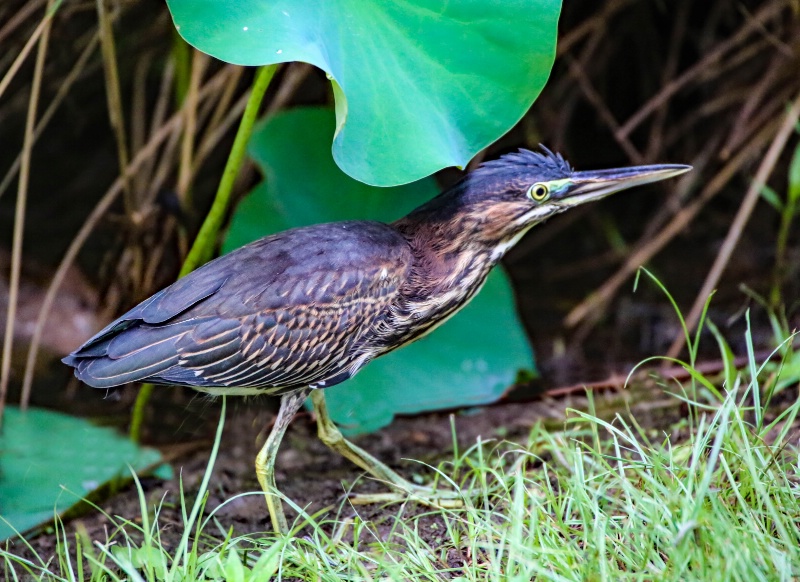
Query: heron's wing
[[157, 309], [283, 312]]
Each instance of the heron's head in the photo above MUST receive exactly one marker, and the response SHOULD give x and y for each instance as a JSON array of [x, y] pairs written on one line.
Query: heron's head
[[498, 202]]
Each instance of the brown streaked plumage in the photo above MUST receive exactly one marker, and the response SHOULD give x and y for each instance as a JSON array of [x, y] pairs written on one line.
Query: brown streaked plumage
[[307, 308]]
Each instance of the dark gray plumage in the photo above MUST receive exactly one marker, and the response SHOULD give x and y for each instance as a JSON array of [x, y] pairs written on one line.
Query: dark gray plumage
[[287, 311]]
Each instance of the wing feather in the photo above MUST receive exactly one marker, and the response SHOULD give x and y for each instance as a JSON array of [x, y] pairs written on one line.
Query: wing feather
[[288, 310]]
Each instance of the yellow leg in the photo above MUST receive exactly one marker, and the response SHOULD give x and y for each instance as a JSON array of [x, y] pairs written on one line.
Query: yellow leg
[[330, 435], [265, 461]]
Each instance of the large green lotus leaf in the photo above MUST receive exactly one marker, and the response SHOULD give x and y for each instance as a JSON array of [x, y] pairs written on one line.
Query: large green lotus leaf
[[50, 461], [420, 85], [469, 360]]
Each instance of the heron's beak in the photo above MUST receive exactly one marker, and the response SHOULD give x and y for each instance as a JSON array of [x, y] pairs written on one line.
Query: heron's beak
[[593, 185]]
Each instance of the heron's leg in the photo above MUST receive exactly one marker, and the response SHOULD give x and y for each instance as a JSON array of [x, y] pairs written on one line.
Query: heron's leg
[[265, 460], [330, 435]]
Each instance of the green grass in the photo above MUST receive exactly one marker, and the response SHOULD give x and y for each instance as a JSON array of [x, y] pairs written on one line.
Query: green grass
[[715, 498]]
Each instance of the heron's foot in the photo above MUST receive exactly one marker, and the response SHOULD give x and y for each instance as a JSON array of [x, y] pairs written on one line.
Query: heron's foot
[[404, 490], [437, 497]]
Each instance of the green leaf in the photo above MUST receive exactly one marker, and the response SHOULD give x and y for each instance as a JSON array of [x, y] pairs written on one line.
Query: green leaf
[[50, 461], [471, 359], [303, 186], [772, 198], [794, 176], [268, 563], [234, 570], [427, 83]]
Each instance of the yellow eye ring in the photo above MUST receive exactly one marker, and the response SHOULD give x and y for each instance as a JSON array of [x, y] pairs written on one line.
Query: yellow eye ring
[[539, 192]]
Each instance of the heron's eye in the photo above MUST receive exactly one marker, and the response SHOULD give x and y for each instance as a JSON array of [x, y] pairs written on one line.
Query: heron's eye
[[539, 192]]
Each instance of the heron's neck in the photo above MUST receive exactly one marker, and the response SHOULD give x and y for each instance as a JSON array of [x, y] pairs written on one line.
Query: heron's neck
[[446, 259], [445, 274], [453, 254]]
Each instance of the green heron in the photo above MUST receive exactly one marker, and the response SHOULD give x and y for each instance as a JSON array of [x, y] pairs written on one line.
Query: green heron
[[307, 308]]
